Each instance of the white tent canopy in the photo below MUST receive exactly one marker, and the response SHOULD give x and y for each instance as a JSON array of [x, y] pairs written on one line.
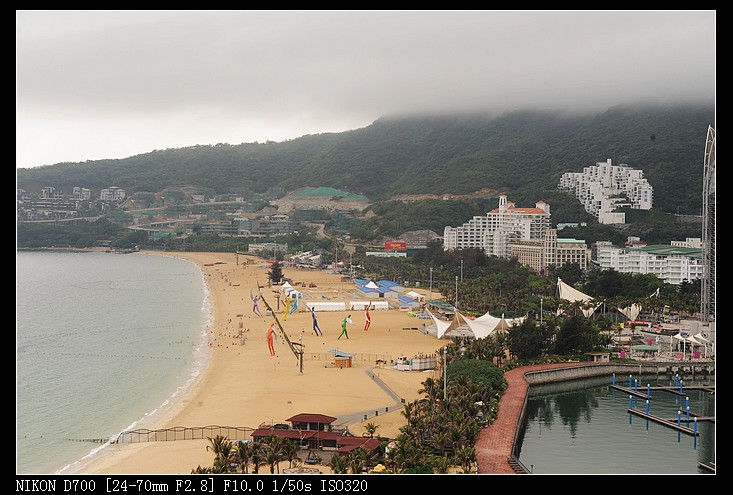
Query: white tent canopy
[[631, 312], [572, 294], [687, 337], [441, 325], [371, 285], [326, 306], [415, 295], [481, 327]]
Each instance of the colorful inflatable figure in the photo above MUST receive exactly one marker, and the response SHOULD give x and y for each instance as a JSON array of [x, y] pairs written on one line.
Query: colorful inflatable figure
[[294, 307], [255, 306], [368, 321], [316, 328], [343, 327], [287, 309], [271, 337]]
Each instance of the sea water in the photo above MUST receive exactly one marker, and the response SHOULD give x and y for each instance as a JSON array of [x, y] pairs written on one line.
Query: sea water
[[104, 343]]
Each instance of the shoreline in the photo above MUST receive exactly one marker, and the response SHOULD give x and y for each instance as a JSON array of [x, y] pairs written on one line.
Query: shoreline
[[242, 385]]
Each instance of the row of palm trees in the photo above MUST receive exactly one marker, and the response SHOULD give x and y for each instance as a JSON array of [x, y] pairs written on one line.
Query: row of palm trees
[[230, 457], [440, 430]]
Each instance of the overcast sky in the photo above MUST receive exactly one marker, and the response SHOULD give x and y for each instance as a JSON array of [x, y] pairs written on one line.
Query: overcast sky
[[111, 84]]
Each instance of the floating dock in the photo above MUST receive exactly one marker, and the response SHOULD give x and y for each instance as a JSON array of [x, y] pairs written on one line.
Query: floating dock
[[710, 466], [646, 393]]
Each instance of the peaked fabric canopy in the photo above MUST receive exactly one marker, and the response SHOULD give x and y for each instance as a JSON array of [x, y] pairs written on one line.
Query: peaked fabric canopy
[[481, 327], [572, 294], [441, 325], [687, 337], [631, 312]]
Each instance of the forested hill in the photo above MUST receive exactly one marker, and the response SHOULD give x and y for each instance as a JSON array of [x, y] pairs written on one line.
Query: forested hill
[[522, 153]]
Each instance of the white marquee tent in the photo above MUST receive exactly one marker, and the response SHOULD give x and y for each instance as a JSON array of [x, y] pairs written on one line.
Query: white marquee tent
[[481, 327], [326, 306]]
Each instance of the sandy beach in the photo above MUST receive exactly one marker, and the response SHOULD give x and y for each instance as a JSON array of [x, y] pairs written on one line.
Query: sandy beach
[[244, 386]]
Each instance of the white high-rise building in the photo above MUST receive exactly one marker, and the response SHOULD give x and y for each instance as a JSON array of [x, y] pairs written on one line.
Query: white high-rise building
[[113, 193], [604, 187], [498, 229]]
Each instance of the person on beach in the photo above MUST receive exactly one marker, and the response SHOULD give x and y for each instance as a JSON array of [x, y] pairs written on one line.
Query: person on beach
[[316, 328], [343, 327], [255, 306], [368, 321], [271, 336]]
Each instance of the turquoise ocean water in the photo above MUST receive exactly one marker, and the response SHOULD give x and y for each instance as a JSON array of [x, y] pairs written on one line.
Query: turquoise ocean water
[[104, 343]]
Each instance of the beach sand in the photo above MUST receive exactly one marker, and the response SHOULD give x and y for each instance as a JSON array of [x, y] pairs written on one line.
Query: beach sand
[[244, 386]]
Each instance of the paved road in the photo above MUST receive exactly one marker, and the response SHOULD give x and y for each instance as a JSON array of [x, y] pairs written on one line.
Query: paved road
[[358, 417]]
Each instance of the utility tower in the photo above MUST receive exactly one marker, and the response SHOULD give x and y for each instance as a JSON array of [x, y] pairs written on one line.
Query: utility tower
[[707, 299]]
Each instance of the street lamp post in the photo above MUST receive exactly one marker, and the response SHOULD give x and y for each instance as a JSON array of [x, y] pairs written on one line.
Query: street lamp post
[[456, 292], [461, 271], [431, 283], [540, 311], [445, 370]]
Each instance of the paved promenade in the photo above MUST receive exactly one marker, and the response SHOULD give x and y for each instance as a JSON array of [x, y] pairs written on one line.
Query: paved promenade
[[494, 444]]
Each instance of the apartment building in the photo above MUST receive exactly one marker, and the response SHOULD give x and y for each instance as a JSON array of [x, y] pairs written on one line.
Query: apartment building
[[604, 187], [672, 264], [539, 254], [496, 231]]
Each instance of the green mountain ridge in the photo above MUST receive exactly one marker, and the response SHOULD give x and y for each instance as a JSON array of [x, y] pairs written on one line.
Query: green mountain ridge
[[521, 153]]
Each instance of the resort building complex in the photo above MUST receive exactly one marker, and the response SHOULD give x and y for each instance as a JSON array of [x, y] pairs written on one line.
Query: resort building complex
[[604, 187], [522, 233], [673, 264], [499, 228]]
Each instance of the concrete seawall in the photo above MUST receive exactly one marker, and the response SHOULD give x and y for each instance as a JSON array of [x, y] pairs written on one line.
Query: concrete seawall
[[578, 372]]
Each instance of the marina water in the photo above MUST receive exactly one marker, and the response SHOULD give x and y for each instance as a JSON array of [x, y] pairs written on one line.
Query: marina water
[[584, 427], [104, 343]]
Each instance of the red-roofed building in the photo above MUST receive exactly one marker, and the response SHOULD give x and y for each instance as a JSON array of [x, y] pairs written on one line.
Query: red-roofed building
[[315, 432], [496, 231]]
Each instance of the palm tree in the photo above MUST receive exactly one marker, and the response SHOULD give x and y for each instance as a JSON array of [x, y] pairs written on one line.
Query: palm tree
[[256, 454], [272, 457], [439, 440], [289, 450], [339, 464], [241, 456], [455, 437], [467, 456], [356, 465], [441, 464], [370, 429], [202, 470], [222, 449], [275, 444], [367, 457]]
